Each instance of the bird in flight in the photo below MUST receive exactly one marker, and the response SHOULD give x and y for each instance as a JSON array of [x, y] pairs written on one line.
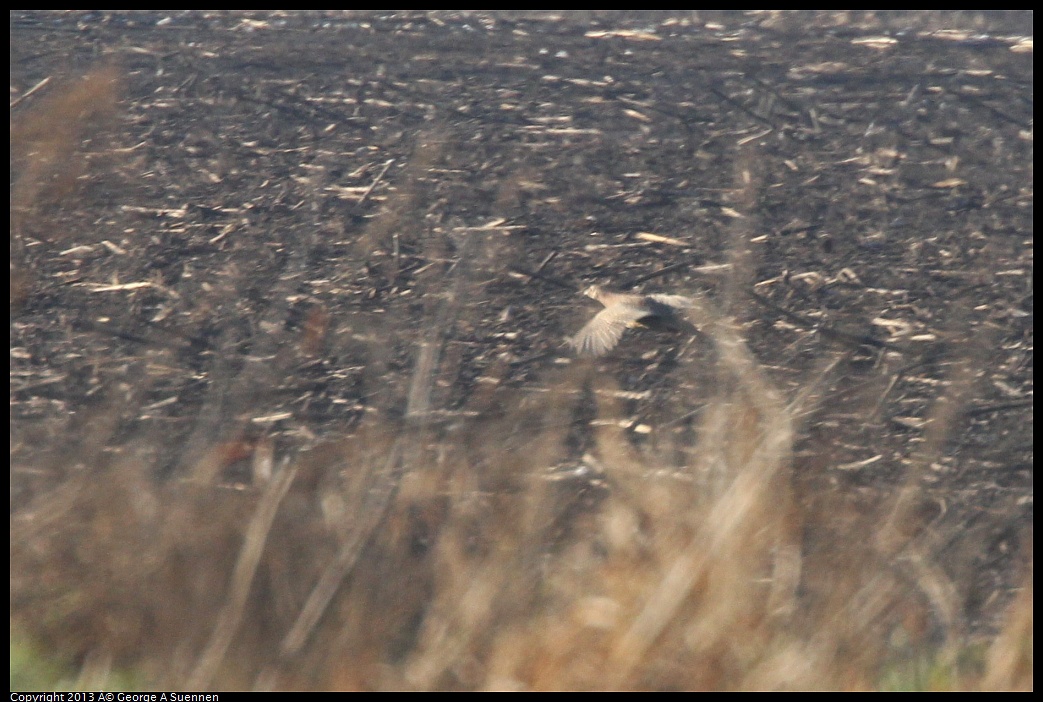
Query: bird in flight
[[624, 310]]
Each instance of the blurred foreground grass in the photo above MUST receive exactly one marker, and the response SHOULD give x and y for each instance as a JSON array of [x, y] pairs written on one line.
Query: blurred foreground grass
[[462, 555]]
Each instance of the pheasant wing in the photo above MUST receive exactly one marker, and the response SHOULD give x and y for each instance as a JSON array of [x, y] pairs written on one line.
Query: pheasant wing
[[680, 302], [601, 334]]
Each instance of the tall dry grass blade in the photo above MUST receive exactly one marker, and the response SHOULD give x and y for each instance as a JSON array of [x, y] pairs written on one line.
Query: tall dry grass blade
[[227, 624]]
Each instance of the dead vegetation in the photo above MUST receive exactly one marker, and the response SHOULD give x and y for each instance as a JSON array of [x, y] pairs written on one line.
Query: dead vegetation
[[291, 407]]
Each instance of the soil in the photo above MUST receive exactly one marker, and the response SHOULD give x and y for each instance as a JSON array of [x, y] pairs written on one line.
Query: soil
[[233, 227]]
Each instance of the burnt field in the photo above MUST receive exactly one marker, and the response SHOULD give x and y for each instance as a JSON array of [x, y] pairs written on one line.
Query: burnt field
[[292, 404]]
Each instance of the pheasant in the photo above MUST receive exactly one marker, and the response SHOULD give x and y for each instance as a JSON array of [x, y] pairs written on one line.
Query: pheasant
[[622, 310]]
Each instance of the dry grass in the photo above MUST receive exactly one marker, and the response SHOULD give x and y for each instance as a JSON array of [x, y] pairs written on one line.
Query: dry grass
[[433, 556]]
